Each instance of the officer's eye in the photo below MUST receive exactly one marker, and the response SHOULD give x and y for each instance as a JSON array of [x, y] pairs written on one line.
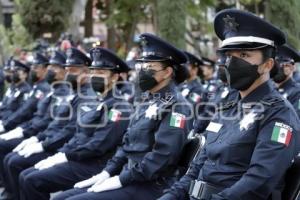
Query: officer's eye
[[244, 55]]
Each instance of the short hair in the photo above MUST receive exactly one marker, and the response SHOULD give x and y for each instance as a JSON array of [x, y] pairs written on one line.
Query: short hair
[[268, 52]]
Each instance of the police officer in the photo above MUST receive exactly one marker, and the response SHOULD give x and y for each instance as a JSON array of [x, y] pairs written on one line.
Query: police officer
[[39, 91], [60, 130], [286, 58], [252, 141], [99, 131], [222, 94], [209, 81], [143, 165], [42, 117], [16, 74], [192, 89]]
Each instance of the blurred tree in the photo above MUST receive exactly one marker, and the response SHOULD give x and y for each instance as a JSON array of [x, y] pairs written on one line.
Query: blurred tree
[[171, 21], [45, 16], [88, 19], [121, 17], [285, 14], [16, 37], [199, 26]]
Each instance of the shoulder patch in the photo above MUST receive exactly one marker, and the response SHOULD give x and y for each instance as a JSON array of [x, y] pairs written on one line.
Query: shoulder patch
[[177, 120], [282, 133], [114, 115], [195, 97]]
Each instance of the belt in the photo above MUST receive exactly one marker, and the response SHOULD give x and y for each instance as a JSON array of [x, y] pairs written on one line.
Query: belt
[[201, 190]]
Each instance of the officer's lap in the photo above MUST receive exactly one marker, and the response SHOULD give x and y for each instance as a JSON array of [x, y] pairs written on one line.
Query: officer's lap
[[131, 192]]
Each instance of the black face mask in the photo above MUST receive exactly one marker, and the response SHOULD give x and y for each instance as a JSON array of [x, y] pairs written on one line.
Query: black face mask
[[98, 84], [72, 79], [279, 76], [33, 78], [146, 80], [8, 78], [50, 76], [15, 77], [240, 73], [222, 74]]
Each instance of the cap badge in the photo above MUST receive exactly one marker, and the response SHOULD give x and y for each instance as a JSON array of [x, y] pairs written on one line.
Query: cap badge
[[230, 23]]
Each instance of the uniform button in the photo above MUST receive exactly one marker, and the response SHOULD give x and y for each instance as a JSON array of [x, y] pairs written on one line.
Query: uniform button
[[213, 164], [219, 141]]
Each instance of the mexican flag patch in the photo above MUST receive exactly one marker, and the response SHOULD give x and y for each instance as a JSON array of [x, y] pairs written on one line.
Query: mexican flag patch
[[114, 115], [282, 133], [195, 97], [177, 120]]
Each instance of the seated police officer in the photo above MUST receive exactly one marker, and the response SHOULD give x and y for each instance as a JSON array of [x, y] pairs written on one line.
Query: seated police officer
[[42, 117], [99, 131], [146, 162], [40, 89], [222, 94], [16, 74], [63, 126], [192, 89], [251, 142], [208, 69], [286, 58]]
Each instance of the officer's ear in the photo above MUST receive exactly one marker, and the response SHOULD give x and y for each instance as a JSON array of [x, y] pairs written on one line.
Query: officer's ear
[[169, 72], [267, 65], [115, 77]]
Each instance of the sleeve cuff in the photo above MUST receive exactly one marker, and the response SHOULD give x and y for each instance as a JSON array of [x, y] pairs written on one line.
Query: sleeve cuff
[[125, 178]]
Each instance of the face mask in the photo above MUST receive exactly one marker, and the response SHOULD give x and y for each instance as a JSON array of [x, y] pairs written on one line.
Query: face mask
[[240, 73], [146, 80], [33, 78], [279, 76], [15, 78], [8, 78], [98, 84], [222, 74], [50, 76], [72, 79]]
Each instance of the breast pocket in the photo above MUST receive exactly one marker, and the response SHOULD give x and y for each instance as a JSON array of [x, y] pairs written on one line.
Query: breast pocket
[[213, 132], [240, 147], [141, 136]]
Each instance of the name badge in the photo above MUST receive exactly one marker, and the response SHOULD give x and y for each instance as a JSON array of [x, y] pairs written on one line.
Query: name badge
[[214, 127]]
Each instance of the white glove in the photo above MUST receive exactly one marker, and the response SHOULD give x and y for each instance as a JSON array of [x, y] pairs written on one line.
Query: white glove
[[26, 142], [99, 178], [51, 161], [13, 134], [2, 129], [109, 184], [31, 149]]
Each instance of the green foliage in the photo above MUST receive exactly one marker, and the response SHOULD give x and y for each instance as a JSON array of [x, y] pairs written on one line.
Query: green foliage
[[285, 14], [16, 37], [44, 16], [172, 21]]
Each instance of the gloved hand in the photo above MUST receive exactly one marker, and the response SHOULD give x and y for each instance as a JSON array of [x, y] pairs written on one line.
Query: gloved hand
[[167, 196], [31, 149], [2, 129], [112, 183], [26, 142], [13, 134], [99, 178], [51, 161]]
